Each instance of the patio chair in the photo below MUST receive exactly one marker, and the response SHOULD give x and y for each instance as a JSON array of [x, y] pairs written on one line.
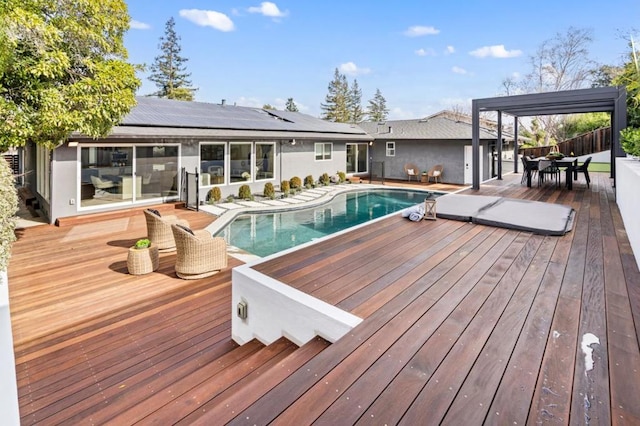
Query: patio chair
[[198, 253], [411, 170], [529, 166], [548, 168], [584, 168], [159, 229], [435, 173]]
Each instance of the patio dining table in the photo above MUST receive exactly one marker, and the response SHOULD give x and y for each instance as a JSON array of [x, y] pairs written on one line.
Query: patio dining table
[[570, 163]]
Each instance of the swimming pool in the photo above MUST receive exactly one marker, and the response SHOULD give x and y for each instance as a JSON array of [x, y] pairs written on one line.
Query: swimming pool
[[263, 234]]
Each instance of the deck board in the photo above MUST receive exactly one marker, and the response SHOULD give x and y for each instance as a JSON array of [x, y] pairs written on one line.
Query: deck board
[[463, 324]]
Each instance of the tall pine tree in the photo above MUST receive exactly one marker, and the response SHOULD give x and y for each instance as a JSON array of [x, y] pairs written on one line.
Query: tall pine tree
[[377, 110], [336, 106], [356, 114], [291, 106], [169, 72]]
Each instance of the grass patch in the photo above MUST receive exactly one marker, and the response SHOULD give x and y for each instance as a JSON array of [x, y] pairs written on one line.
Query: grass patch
[[600, 167]]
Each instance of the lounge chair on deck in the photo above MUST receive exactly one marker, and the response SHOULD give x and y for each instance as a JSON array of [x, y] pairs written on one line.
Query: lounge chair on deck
[[412, 171], [159, 229], [435, 173], [198, 254]]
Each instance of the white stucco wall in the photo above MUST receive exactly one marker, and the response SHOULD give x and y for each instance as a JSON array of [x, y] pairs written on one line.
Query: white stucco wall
[[627, 184], [277, 310], [8, 384]]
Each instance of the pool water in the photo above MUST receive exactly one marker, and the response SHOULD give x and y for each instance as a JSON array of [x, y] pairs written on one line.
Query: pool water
[[263, 234]]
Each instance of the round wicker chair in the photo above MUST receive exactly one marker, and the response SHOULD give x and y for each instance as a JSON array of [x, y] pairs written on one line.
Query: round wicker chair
[[198, 254], [159, 229]]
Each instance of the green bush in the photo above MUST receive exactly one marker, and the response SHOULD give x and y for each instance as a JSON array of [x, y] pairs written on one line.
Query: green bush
[[214, 195], [285, 187], [244, 193], [630, 141], [8, 209], [269, 191], [230, 199], [295, 182], [342, 176], [324, 179], [308, 181]]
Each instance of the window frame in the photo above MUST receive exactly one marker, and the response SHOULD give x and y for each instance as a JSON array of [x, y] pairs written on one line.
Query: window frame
[[324, 155], [391, 149]]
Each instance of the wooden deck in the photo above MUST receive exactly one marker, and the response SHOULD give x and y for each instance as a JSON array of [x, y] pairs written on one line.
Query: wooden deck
[[464, 324]]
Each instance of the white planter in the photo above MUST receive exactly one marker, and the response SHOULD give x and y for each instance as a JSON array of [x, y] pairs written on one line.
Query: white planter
[[628, 199]]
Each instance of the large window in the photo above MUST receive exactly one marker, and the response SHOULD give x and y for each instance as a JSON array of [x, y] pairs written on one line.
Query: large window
[[323, 151], [357, 157], [240, 162], [212, 164], [116, 174], [391, 149], [265, 155], [156, 171]]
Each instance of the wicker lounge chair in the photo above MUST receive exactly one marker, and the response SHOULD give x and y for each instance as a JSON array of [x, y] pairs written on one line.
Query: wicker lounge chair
[[435, 173], [198, 254], [412, 171], [159, 229]]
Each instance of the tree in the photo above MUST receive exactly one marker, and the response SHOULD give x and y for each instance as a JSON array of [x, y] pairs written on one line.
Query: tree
[[336, 106], [560, 63], [377, 110], [291, 106], [630, 77], [61, 72], [169, 72], [604, 75], [579, 124], [356, 114]]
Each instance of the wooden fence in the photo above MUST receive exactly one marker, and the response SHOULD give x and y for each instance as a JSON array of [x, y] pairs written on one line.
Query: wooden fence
[[588, 143]]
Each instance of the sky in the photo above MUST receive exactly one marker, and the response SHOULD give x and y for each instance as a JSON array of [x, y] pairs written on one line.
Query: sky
[[423, 56]]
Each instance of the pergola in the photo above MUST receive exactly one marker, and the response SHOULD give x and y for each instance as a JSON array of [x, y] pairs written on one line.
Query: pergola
[[600, 99]]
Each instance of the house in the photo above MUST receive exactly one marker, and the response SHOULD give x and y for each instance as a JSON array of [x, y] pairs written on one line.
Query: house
[[142, 159], [443, 138]]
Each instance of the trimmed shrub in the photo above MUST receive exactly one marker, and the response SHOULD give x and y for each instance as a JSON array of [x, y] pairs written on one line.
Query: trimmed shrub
[[214, 195], [295, 182], [244, 193], [308, 181], [325, 179], [269, 191], [230, 199], [8, 209], [342, 176], [285, 187]]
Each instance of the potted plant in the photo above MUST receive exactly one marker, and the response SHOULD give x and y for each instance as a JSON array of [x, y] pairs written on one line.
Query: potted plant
[[143, 257]]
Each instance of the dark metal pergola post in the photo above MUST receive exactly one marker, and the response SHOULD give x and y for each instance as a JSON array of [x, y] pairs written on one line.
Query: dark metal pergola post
[[516, 158], [499, 145]]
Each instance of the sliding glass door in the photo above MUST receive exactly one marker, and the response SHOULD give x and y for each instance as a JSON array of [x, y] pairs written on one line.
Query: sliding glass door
[[157, 173], [357, 157]]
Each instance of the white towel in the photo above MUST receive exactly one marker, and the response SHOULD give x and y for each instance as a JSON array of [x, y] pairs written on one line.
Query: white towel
[[416, 217], [415, 213]]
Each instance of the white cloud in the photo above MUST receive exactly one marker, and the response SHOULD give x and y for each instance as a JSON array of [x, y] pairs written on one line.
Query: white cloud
[[267, 8], [426, 52], [349, 68], [137, 25], [496, 51], [515, 75], [418, 30], [208, 18], [459, 70], [249, 102], [449, 50]]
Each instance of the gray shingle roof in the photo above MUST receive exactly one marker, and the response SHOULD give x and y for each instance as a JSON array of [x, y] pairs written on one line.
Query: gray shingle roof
[[435, 127], [166, 113]]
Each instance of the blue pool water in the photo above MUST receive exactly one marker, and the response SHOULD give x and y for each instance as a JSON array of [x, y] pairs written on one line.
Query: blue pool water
[[267, 233]]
